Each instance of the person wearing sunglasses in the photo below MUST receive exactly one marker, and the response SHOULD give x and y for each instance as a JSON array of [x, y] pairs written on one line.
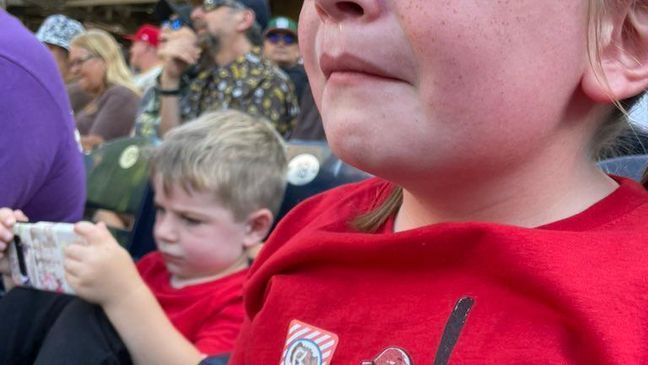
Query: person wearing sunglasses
[[280, 45], [219, 65]]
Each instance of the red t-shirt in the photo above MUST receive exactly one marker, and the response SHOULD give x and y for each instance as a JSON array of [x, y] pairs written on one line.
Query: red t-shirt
[[574, 291], [209, 315]]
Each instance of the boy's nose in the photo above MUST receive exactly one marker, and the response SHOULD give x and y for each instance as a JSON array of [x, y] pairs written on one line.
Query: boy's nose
[[338, 10], [164, 232]]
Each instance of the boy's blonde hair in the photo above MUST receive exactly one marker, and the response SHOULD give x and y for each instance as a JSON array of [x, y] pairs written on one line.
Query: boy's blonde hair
[[101, 44], [239, 158]]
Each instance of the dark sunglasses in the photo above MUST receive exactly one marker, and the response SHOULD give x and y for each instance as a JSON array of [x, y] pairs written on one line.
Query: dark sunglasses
[[287, 38]]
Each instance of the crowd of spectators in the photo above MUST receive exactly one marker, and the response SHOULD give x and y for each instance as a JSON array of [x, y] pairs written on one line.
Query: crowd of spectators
[[201, 59]]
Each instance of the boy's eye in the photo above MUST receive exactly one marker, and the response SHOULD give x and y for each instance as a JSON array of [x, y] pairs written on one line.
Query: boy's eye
[[191, 221], [159, 209]]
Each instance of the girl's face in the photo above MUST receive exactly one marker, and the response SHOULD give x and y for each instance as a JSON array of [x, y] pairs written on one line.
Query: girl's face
[[410, 87]]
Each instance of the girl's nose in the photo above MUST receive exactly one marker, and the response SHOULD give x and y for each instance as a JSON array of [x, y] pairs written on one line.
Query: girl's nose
[[338, 11]]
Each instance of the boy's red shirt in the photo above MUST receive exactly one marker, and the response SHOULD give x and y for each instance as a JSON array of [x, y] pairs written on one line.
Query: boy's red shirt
[[209, 315], [574, 291]]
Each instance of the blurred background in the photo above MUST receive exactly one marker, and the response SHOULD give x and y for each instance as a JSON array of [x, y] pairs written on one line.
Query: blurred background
[[119, 17]]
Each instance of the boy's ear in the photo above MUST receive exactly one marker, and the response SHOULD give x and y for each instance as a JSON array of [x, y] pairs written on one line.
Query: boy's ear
[[620, 67], [257, 227]]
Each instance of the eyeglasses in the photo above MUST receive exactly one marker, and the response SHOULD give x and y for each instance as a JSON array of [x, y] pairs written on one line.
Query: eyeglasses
[[209, 5], [80, 61], [287, 38]]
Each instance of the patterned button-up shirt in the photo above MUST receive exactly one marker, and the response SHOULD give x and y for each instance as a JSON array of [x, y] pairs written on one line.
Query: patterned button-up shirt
[[252, 84]]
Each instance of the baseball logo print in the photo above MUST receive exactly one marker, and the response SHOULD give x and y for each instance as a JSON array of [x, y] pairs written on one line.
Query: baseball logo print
[[308, 345]]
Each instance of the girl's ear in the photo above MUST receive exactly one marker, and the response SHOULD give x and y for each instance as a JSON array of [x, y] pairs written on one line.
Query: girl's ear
[[619, 67], [257, 227]]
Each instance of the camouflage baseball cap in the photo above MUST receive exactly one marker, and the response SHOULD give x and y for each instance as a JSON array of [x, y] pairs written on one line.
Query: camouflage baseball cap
[[59, 30]]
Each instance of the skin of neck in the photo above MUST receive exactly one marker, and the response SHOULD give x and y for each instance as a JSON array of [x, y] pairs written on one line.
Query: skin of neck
[[232, 49], [555, 182]]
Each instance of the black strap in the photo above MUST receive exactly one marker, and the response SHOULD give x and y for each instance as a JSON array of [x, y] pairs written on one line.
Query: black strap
[[168, 92], [453, 329]]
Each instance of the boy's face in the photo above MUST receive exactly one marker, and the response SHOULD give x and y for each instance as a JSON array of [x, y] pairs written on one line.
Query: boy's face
[[197, 237], [136, 52], [437, 83]]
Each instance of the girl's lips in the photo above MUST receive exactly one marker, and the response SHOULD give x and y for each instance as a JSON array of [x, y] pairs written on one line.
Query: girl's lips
[[347, 63]]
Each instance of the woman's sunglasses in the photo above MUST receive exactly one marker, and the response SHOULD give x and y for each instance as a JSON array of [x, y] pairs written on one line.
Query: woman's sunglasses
[[276, 37]]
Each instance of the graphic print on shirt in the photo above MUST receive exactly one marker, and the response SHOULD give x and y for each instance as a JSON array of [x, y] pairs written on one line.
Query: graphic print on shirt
[[454, 326], [453, 329], [308, 345], [390, 356]]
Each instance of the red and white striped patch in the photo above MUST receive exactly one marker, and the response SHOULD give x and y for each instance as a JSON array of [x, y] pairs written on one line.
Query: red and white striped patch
[[306, 345]]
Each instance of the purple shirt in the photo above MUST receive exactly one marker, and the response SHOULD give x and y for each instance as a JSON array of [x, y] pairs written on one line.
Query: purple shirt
[[41, 167]]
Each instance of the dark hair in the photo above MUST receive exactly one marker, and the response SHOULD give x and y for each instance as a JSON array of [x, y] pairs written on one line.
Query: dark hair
[[254, 35]]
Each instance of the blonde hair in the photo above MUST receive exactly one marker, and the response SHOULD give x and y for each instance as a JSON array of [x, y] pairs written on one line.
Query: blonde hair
[[101, 44], [617, 122], [604, 139], [239, 158]]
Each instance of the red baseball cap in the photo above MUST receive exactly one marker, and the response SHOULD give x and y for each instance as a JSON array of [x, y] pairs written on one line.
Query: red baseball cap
[[146, 33]]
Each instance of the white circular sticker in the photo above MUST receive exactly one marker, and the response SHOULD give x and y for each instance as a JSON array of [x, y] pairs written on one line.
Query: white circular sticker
[[129, 157], [303, 352], [303, 169]]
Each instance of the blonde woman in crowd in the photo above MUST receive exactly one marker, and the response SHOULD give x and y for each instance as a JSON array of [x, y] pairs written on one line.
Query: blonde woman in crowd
[[95, 58]]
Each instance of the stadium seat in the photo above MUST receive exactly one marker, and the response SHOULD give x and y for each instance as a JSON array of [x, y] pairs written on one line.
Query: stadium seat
[[632, 166], [312, 169], [141, 239], [117, 179]]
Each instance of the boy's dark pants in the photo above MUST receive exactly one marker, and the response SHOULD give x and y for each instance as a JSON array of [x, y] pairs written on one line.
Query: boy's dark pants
[[41, 328]]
